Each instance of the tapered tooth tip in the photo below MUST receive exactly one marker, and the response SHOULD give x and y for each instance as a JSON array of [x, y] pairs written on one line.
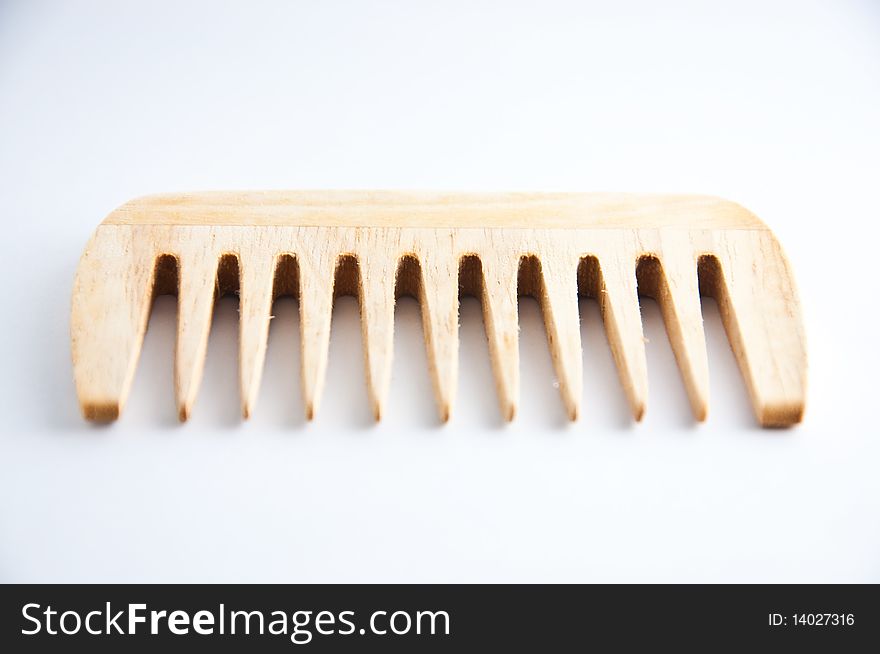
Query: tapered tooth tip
[[183, 413], [573, 413], [246, 411], [510, 412], [378, 411], [310, 411], [445, 413], [639, 411], [698, 397]]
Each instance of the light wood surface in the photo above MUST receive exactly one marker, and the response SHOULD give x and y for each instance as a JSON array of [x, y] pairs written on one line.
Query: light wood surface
[[316, 245]]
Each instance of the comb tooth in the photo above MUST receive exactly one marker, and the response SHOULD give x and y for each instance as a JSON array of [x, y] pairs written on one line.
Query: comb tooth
[[195, 305], [440, 319], [255, 309], [377, 325], [502, 327], [559, 305], [619, 303], [679, 299], [111, 306], [759, 309], [316, 308]]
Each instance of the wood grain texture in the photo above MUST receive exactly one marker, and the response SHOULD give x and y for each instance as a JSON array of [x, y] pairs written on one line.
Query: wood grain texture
[[377, 246]]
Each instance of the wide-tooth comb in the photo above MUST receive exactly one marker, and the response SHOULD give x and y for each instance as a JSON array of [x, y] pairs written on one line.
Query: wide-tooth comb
[[379, 245]]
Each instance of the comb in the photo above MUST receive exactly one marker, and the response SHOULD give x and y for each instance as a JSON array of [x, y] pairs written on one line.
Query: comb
[[377, 246]]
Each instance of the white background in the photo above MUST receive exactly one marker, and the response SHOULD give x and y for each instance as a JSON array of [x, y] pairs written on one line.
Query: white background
[[772, 104]]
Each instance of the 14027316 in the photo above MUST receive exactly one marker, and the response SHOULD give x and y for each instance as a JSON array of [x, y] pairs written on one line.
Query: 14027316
[[811, 620]]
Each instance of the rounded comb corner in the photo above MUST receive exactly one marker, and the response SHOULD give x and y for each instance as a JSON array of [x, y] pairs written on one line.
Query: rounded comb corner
[[738, 216], [129, 211]]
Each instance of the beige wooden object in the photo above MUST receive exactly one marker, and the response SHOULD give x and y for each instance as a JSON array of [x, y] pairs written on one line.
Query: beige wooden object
[[316, 245]]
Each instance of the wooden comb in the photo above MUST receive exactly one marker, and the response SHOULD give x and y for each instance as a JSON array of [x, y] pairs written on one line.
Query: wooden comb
[[377, 246]]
